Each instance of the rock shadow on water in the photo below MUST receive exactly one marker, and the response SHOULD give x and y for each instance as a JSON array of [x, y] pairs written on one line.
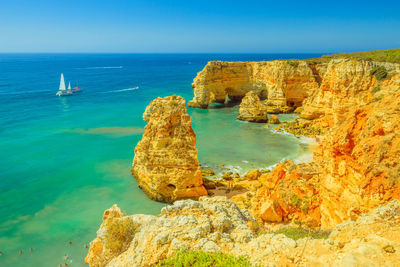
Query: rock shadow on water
[[107, 131]]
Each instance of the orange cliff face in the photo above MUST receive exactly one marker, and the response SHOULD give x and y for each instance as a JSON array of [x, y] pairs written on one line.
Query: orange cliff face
[[289, 193], [345, 84], [166, 163], [361, 160], [356, 168]]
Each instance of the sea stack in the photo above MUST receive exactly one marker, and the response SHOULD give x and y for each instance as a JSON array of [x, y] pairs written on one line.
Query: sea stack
[[251, 109], [166, 163]]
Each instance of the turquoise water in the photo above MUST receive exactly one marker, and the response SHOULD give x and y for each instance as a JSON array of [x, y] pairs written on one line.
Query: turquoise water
[[65, 160]]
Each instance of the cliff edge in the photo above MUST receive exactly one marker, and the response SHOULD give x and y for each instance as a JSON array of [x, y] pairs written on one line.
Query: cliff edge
[[217, 225]]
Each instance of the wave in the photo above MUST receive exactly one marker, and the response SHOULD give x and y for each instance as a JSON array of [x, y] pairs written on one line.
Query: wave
[[96, 68], [123, 90], [305, 158]]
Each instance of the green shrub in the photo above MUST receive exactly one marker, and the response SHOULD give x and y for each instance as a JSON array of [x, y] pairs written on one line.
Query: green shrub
[[390, 55], [379, 72], [305, 207], [376, 89], [296, 201], [120, 233], [293, 63], [203, 259]]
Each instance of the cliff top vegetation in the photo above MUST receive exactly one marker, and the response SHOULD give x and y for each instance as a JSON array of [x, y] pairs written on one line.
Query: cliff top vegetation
[[390, 55]]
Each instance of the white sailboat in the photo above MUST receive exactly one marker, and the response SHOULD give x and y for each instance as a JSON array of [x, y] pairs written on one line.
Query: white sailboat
[[62, 91]]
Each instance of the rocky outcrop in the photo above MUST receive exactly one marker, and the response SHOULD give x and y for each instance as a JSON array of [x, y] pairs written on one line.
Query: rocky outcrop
[[355, 170], [106, 245], [361, 160], [327, 89], [274, 120], [218, 225], [289, 193], [166, 163], [344, 84], [251, 109], [211, 224], [283, 83]]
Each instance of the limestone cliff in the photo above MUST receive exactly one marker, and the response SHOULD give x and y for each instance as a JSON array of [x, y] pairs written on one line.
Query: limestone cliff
[[281, 82], [166, 163], [360, 160], [355, 169], [344, 84], [218, 225], [289, 193], [251, 109], [324, 89]]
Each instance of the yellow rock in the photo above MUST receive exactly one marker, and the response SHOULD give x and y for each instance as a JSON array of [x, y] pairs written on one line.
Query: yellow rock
[[253, 174], [166, 163], [251, 109], [278, 81], [270, 211], [274, 119]]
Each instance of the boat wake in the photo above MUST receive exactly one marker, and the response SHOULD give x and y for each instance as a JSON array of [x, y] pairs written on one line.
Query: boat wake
[[25, 92], [123, 90]]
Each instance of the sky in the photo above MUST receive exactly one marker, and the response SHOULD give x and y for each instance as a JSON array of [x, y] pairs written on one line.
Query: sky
[[202, 26]]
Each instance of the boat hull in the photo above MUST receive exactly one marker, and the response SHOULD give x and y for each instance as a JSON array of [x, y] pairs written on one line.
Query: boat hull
[[64, 93], [76, 90]]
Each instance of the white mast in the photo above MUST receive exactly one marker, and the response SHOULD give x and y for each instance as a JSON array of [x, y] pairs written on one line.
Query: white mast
[[69, 85], [62, 83]]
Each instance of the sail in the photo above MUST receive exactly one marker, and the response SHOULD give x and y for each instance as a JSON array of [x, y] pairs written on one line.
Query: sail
[[69, 85], [62, 83]]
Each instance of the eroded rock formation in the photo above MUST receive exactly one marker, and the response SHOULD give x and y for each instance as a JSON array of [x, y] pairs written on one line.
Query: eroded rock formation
[[344, 85], [251, 109], [324, 89], [219, 225], [281, 82], [355, 169], [361, 160], [166, 163]]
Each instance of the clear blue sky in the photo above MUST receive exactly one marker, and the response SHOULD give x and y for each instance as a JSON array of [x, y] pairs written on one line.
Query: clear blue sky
[[198, 26]]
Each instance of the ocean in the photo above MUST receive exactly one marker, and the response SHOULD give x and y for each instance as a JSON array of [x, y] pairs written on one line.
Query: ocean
[[64, 160]]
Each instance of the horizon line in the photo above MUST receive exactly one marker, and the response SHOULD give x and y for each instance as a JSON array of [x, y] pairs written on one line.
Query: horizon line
[[170, 52]]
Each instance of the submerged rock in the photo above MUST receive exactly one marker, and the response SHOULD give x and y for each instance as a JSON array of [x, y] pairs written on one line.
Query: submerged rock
[[166, 163]]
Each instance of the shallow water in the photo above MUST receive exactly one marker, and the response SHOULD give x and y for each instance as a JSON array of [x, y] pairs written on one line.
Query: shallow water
[[65, 160]]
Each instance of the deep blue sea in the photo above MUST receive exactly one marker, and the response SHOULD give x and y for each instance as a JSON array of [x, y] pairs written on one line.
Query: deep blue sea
[[64, 160]]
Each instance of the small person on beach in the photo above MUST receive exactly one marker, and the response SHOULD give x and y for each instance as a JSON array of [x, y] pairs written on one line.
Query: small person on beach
[[1, 253], [20, 252], [31, 249], [70, 242]]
